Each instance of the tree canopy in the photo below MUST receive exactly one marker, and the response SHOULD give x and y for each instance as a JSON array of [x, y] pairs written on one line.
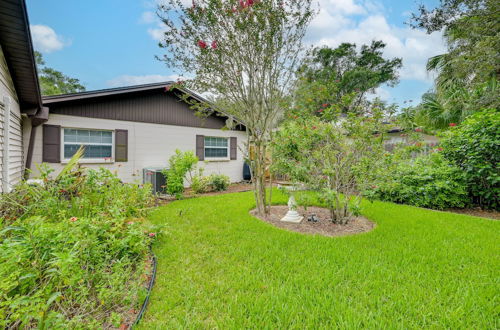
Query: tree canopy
[[345, 75], [468, 73], [53, 82]]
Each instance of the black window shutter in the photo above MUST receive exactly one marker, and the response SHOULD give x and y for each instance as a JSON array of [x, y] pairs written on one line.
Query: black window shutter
[[233, 145], [121, 145], [51, 151], [200, 147]]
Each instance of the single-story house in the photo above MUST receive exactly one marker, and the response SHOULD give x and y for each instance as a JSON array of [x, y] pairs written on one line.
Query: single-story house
[[20, 98], [130, 129], [126, 129]]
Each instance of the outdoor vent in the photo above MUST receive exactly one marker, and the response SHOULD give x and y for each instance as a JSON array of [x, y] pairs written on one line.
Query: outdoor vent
[[155, 177]]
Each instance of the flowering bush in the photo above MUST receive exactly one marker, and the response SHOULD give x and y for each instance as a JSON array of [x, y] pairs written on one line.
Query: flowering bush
[[474, 147], [332, 157], [73, 250], [426, 181]]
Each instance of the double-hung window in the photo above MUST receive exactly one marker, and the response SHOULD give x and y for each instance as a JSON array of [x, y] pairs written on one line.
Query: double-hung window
[[216, 147], [97, 144]]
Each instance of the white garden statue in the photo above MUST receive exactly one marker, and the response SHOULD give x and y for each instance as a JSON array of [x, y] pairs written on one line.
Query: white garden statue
[[292, 215]]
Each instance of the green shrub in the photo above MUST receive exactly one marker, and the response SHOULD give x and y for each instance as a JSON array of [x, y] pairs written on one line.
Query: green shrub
[[180, 165], [474, 147], [427, 181], [73, 250], [219, 182], [201, 184]]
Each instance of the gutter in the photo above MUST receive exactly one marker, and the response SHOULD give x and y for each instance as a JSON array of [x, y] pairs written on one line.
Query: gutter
[[39, 118]]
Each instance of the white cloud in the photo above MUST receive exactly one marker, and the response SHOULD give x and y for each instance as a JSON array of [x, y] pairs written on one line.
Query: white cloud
[[130, 80], [148, 17], [360, 22], [157, 33], [46, 40], [413, 46]]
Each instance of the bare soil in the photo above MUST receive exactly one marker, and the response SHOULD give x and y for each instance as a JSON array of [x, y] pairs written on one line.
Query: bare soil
[[323, 227]]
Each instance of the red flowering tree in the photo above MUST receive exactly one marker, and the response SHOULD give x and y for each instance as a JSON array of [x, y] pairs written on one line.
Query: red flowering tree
[[245, 54]]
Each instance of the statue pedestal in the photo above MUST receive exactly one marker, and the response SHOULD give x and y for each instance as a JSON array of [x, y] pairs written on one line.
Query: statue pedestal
[[292, 215]]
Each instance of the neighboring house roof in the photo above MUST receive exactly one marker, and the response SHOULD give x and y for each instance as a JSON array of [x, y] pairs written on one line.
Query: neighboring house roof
[[17, 46], [104, 93]]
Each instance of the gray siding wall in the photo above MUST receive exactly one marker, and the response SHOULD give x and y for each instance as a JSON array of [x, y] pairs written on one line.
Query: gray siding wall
[[11, 141], [149, 145], [156, 107]]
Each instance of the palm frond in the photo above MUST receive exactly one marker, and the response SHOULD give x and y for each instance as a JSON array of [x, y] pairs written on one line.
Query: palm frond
[[72, 162]]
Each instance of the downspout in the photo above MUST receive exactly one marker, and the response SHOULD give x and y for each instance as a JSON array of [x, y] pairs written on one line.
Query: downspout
[[41, 117]]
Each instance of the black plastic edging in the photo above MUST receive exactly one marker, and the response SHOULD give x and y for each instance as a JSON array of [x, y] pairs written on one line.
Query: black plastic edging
[[146, 300]]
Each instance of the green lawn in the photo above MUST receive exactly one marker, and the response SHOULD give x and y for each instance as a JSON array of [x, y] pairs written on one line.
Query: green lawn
[[221, 268]]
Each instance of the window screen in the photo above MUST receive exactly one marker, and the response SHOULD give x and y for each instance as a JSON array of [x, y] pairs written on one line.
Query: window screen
[[216, 147], [97, 144]]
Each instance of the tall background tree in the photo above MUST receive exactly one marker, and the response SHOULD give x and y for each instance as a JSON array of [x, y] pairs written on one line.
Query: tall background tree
[[53, 82], [468, 74], [246, 54], [342, 77]]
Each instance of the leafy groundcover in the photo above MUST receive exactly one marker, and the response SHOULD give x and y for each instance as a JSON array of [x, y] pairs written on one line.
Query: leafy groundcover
[[74, 250]]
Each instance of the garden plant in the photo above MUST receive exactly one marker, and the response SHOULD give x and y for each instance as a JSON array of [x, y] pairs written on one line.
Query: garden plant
[[74, 250], [333, 157]]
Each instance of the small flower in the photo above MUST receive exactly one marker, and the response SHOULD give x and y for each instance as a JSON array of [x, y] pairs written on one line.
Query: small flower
[[325, 105], [418, 144], [314, 127], [321, 110], [167, 88], [439, 149], [202, 44], [73, 219], [130, 223], [418, 130], [151, 234], [453, 124], [214, 44]]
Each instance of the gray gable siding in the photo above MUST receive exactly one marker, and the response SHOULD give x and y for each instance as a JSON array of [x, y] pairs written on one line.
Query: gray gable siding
[[157, 107]]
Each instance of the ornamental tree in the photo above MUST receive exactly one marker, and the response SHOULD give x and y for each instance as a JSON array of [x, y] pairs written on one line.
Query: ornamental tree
[[334, 158], [245, 54]]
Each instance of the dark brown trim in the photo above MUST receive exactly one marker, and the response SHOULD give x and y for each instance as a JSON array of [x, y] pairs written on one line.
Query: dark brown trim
[[92, 97], [233, 148], [105, 92], [153, 106], [200, 147], [41, 117], [51, 150], [17, 46], [29, 155]]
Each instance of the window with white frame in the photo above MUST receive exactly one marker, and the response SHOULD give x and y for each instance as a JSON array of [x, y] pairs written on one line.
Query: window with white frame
[[216, 147], [98, 144]]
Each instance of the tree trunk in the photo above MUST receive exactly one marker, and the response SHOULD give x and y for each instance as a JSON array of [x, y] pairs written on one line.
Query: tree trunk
[[259, 178]]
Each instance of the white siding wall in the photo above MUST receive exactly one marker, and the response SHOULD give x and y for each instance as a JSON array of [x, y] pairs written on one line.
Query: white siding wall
[[149, 145], [11, 141]]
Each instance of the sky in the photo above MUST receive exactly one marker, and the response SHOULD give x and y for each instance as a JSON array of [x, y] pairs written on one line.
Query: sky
[[111, 43]]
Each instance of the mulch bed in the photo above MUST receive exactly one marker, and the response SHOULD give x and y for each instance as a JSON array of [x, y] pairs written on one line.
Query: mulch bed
[[324, 227], [477, 212], [188, 193]]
